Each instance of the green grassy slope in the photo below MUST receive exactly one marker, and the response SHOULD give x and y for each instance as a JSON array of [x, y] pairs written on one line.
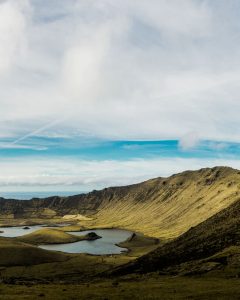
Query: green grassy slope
[[165, 208], [206, 239], [14, 253]]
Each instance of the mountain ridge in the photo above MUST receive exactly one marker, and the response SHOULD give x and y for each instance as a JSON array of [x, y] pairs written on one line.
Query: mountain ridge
[[163, 207]]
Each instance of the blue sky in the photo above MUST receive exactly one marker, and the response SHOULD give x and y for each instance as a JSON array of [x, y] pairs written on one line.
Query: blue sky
[[118, 150], [98, 93], [76, 165]]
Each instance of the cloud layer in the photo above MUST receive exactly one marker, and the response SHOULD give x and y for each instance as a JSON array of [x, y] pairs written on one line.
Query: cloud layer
[[80, 175], [90, 70], [122, 69]]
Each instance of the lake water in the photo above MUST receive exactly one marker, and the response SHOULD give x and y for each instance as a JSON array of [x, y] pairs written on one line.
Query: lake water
[[18, 231], [105, 245]]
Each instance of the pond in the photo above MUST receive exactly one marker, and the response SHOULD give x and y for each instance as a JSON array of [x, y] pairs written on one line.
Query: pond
[[18, 231], [105, 245]]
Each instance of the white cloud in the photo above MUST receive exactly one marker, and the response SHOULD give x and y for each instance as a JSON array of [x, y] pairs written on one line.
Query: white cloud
[[70, 174], [185, 17], [189, 140], [120, 70], [13, 18], [83, 67]]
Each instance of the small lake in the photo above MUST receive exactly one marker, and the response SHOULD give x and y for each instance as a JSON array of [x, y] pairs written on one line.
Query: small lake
[[105, 245], [18, 231]]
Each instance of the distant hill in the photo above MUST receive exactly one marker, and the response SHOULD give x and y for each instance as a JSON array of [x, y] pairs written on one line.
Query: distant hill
[[161, 207]]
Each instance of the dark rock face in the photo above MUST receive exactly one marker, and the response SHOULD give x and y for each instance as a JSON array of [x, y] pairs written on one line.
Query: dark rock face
[[26, 228], [92, 236], [133, 236]]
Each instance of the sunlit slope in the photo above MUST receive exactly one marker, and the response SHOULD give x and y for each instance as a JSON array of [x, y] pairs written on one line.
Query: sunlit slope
[[167, 207], [221, 232]]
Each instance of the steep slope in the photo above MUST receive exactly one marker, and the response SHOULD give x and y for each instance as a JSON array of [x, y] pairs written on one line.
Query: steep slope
[[165, 208], [215, 234], [161, 207]]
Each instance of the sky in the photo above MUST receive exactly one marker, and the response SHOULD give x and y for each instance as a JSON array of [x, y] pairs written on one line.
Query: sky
[[103, 93]]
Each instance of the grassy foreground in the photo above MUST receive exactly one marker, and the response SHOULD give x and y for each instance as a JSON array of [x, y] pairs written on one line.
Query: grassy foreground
[[147, 287], [82, 276]]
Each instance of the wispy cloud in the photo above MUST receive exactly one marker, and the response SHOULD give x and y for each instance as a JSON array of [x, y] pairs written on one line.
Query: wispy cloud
[[36, 132], [122, 70], [75, 73], [4, 145]]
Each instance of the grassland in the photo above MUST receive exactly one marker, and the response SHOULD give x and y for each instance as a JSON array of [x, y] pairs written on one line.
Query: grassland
[[131, 287], [201, 242], [14, 253], [138, 244]]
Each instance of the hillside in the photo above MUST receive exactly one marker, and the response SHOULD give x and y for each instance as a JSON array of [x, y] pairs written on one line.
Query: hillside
[[161, 207], [14, 253], [219, 233]]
